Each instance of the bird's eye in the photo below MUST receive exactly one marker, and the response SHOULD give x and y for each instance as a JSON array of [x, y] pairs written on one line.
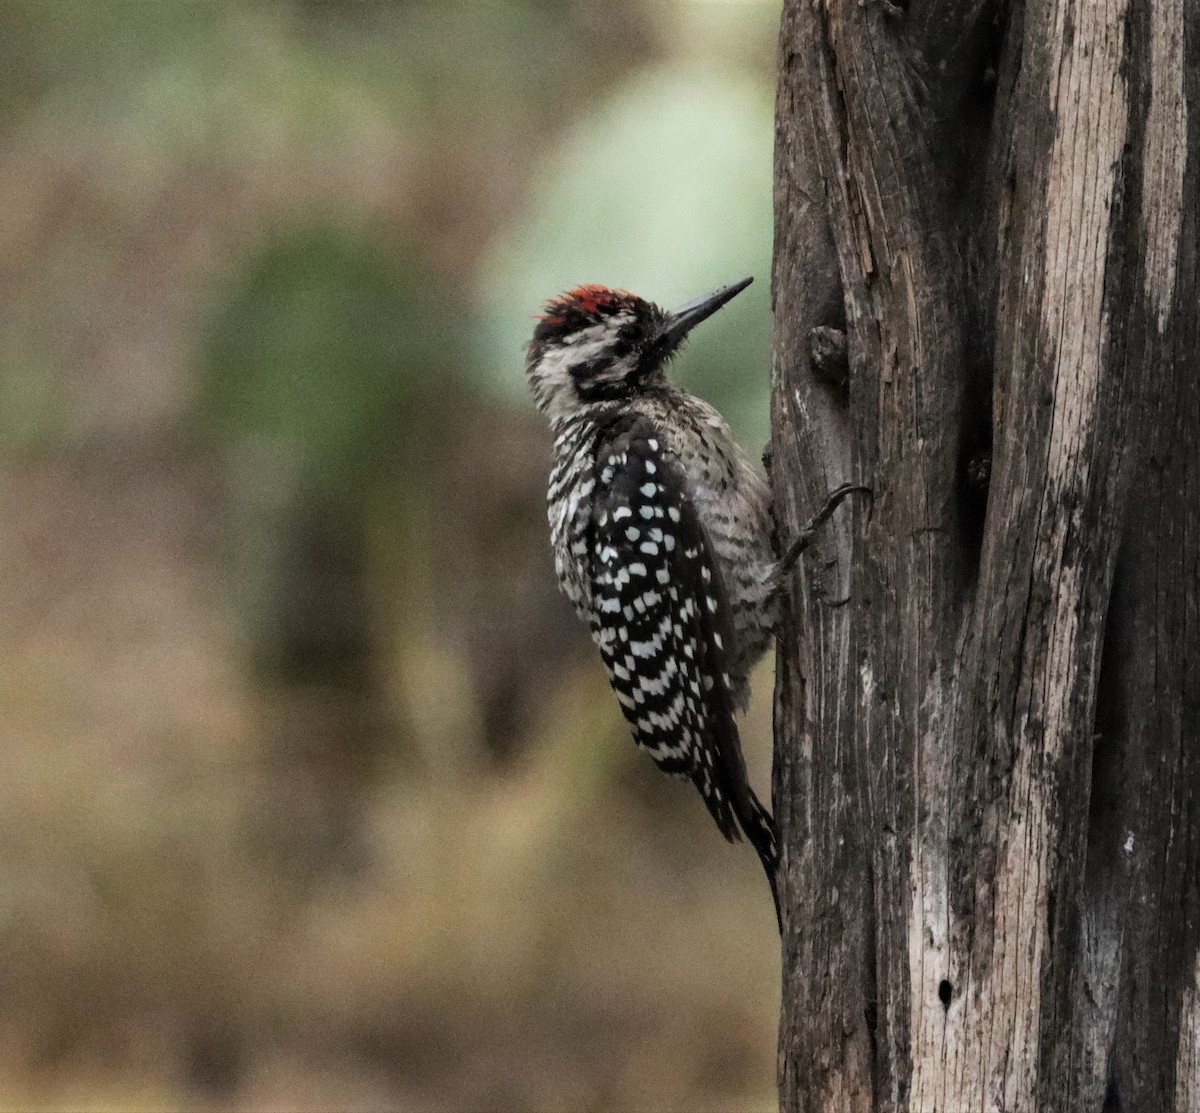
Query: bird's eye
[[628, 334]]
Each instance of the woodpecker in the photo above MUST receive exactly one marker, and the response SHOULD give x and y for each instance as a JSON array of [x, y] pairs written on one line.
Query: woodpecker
[[663, 538]]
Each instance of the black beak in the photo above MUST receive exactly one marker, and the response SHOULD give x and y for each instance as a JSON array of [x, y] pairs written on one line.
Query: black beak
[[687, 317]]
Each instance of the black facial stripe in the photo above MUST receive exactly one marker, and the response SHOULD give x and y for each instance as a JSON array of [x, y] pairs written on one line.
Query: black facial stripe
[[592, 385], [585, 372], [590, 373]]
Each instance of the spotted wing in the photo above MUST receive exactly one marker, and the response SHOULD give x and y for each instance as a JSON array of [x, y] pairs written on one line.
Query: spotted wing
[[661, 620]]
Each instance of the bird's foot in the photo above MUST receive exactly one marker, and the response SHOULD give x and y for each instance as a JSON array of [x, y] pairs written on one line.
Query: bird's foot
[[804, 537]]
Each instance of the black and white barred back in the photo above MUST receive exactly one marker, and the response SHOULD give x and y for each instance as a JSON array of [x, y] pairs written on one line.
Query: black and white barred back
[[662, 540]]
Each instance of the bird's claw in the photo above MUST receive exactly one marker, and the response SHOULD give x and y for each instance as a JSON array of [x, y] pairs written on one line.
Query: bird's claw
[[805, 536]]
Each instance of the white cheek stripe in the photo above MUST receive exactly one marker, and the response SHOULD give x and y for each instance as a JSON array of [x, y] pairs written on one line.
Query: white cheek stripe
[[552, 375]]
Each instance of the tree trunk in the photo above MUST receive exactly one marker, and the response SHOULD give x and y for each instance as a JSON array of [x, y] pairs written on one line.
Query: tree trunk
[[988, 694]]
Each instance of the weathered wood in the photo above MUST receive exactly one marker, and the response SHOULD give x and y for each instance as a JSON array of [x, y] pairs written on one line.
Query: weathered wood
[[998, 203]]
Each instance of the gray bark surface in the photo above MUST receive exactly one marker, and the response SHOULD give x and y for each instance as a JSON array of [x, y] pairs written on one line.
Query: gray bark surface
[[988, 759]]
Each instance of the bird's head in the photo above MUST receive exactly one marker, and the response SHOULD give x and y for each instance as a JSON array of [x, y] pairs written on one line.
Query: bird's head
[[596, 344]]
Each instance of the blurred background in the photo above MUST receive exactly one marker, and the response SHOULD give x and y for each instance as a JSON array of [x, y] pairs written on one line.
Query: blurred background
[[314, 794]]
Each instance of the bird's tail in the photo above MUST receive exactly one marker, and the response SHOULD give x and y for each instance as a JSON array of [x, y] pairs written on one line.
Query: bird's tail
[[759, 827]]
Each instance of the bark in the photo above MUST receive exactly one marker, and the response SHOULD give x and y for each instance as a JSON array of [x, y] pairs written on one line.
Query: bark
[[987, 777]]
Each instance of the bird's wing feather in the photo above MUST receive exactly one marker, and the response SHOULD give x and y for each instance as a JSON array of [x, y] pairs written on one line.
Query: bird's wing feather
[[661, 619]]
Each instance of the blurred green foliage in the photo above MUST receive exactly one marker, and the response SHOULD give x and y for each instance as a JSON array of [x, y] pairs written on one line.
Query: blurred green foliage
[[326, 347]]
